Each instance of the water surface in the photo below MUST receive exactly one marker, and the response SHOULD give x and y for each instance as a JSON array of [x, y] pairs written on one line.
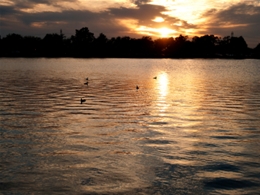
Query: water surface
[[193, 130]]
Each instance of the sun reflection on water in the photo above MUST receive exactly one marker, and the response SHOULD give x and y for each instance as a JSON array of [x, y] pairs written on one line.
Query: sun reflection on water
[[190, 130], [163, 84]]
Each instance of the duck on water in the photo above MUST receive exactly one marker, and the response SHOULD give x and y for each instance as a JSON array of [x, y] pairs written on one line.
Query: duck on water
[[82, 100]]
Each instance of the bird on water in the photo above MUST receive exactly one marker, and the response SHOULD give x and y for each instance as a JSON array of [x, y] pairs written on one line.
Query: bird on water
[[82, 100], [137, 87], [154, 77], [86, 81]]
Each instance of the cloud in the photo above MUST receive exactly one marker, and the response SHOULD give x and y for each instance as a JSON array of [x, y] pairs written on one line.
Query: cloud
[[7, 10], [141, 2], [241, 13], [242, 19], [125, 17], [32, 3], [109, 22], [144, 13]]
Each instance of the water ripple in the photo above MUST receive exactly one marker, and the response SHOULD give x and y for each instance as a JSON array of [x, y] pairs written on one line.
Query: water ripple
[[193, 130]]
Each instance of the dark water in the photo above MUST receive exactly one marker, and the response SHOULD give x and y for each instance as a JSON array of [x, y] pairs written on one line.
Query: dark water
[[193, 130]]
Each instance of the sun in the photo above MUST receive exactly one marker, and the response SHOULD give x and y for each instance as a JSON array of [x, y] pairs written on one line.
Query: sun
[[165, 32]]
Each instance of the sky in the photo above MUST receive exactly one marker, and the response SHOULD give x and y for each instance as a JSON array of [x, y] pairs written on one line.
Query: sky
[[133, 18]]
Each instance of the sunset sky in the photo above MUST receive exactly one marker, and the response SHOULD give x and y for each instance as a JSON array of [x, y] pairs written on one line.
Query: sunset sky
[[134, 18]]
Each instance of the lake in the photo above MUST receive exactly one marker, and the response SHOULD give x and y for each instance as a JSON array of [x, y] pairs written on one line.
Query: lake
[[194, 129]]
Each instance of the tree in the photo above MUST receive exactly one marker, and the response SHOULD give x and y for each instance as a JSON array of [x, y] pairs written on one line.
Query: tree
[[100, 45], [32, 46], [238, 46], [144, 47], [160, 45], [82, 42], [12, 45], [52, 45], [233, 47], [205, 46], [256, 51], [179, 47], [84, 35]]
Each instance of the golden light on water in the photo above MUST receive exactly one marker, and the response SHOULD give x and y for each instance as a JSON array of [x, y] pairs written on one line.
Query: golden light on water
[[197, 122], [163, 84]]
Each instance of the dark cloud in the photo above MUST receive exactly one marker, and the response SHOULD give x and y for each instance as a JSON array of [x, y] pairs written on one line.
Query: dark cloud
[[241, 13], [143, 12], [68, 21], [140, 2], [32, 3], [97, 22], [242, 19], [65, 16], [184, 24], [7, 10]]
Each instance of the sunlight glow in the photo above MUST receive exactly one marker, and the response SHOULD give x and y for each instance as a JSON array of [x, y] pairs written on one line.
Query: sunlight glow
[[178, 23], [190, 10], [185, 10], [158, 19], [130, 24], [157, 32], [166, 32], [145, 30]]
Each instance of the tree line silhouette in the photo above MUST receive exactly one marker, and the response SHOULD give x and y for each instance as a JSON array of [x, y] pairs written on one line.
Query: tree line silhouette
[[84, 44]]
